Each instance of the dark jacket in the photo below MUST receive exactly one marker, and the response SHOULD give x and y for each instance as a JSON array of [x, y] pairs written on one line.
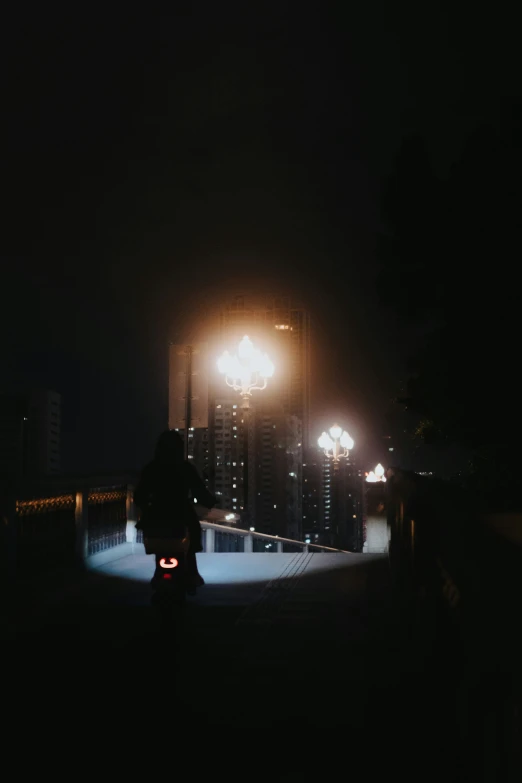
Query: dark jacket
[[166, 494]]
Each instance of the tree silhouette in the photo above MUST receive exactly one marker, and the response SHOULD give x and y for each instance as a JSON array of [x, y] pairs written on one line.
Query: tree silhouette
[[450, 252]]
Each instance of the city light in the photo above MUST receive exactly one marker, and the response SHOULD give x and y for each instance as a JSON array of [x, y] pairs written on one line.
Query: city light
[[336, 443], [375, 475], [247, 370]]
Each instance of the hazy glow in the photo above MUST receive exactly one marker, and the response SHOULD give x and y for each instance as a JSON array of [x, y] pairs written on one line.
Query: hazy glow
[[336, 432], [338, 445], [325, 442], [376, 475], [246, 348], [223, 364], [267, 367], [236, 369], [244, 371], [346, 441]]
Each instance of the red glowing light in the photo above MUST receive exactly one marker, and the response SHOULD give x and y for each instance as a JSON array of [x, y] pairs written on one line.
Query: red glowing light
[[172, 564]]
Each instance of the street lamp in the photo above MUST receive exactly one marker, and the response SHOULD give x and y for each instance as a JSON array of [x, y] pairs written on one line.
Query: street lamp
[[338, 445], [375, 475], [245, 372]]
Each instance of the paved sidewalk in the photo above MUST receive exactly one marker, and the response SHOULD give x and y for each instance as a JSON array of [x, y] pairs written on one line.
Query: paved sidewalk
[[296, 648]]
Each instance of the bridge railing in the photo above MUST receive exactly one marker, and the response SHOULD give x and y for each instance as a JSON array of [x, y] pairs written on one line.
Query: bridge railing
[[82, 522], [66, 523], [221, 538]]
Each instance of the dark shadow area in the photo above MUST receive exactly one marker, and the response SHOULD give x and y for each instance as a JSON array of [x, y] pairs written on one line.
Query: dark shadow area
[[334, 659]]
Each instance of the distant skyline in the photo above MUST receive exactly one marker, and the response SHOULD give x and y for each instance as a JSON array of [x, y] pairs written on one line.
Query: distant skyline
[[156, 167]]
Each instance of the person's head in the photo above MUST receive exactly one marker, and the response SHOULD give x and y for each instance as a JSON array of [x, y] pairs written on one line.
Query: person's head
[[169, 447]]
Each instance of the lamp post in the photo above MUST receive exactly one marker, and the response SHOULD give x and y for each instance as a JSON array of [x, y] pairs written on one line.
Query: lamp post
[[376, 475], [336, 444], [245, 372], [376, 536]]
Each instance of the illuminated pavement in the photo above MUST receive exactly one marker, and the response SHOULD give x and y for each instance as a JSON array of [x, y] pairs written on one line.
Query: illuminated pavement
[[306, 648], [112, 603]]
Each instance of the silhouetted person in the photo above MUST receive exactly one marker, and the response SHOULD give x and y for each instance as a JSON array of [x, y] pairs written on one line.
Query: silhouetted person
[[165, 494]]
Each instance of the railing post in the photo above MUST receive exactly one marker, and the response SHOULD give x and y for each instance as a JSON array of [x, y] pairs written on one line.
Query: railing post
[[210, 539], [249, 543], [279, 547], [132, 516], [81, 522], [305, 549]]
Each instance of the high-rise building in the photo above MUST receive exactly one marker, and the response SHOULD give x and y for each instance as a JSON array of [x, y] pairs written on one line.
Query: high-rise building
[[44, 432], [199, 450], [281, 328], [30, 430], [278, 471], [227, 454], [278, 418], [332, 502], [13, 436], [313, 497], [342, 488]]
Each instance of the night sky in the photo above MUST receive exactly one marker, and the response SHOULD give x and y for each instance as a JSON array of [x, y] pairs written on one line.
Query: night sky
[[153, 165]]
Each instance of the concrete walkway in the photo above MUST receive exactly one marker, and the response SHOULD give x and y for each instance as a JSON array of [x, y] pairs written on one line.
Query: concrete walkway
[[111, 603], [296, 651]]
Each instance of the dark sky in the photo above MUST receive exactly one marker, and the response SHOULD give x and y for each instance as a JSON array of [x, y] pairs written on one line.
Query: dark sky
[[151, 164]]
